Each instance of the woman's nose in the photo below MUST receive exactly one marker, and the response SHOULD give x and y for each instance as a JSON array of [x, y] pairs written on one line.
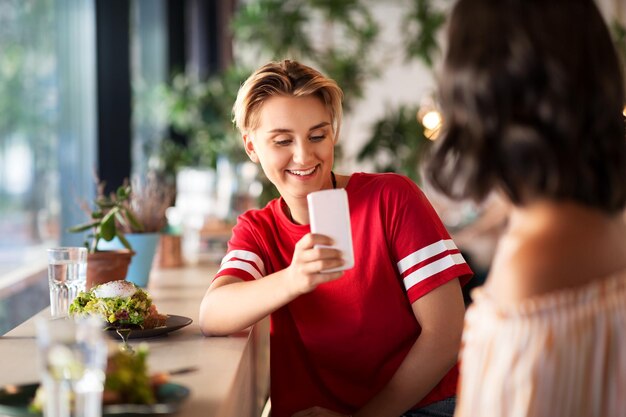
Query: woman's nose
[[302, 152]]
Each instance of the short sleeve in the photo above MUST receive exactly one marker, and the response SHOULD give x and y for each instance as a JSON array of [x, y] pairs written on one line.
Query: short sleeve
[[426, 256], [242, 260]]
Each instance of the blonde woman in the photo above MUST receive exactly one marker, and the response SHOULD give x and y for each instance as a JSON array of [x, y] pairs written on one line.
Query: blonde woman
[[380, 339]]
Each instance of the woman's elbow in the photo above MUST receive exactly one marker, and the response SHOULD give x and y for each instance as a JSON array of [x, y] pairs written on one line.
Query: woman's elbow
[[208, 331], [208, 323]]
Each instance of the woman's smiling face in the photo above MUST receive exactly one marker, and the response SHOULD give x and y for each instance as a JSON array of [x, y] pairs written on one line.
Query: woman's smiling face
[[294, 143]]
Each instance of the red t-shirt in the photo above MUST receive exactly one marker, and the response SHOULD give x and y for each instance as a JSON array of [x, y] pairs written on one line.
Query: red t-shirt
[[338, 345]]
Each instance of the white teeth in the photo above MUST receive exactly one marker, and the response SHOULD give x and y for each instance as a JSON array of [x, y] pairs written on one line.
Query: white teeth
[[302, 173]]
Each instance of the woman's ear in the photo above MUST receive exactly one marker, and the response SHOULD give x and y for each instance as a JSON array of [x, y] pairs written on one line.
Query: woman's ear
[[248, 145]]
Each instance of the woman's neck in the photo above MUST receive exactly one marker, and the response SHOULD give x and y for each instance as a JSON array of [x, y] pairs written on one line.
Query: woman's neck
[[297, 210], [549, 216]]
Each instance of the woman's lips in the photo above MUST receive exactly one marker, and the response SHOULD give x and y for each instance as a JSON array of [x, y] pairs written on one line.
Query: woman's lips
[[302, 173]]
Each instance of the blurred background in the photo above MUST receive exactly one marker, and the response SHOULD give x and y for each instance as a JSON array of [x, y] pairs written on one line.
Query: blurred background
[[102, 91]]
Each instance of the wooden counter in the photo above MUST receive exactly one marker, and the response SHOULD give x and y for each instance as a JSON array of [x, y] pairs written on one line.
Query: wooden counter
[[233, 375]]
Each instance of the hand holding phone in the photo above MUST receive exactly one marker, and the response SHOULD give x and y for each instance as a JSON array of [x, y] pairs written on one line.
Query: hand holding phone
[[329, 215]]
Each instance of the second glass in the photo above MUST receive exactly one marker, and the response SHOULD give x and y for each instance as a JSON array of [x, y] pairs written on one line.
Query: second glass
[[72, 357]]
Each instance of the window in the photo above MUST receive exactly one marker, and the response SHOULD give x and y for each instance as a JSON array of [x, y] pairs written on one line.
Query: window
[[28, 117], [47, 129]]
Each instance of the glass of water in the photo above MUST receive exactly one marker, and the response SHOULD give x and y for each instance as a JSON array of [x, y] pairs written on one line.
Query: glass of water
[[67, 274], [72, 357]]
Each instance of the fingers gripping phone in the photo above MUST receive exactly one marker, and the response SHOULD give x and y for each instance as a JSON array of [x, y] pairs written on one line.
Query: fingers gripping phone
[[329, 215]]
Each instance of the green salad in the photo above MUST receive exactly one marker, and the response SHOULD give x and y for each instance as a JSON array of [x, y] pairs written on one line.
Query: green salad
[[128, 309], [127, 379]]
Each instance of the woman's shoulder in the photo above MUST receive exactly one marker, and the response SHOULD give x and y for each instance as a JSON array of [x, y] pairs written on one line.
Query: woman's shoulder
[[533, 265], [389, 191], [262, 215], [387, 181], [260, 211]]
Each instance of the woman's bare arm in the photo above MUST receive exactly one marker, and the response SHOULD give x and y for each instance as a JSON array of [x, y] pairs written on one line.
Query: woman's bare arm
[[231, 304]]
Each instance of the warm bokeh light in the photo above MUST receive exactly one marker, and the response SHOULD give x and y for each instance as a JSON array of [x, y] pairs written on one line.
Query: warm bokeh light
[[624, 111], [429, 117], [431, 120]]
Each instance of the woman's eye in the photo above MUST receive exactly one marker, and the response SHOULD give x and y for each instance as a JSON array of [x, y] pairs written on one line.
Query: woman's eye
[[282, 142], [318, 138]]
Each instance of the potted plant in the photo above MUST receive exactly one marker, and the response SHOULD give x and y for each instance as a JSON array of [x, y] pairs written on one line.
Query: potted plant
[[110, 213], [148, 202]]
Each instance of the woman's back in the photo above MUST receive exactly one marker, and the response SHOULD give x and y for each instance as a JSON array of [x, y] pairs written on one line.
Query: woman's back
[[558, 355], [546, 335]]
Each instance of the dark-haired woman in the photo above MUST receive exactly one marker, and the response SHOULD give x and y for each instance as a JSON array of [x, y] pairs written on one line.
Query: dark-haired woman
[[532, 96]]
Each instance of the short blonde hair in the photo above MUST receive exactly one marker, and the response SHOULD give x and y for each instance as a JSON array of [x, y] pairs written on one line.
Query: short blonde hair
[[285, 78]]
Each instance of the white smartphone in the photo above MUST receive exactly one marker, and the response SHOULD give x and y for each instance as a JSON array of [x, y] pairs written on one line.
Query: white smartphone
[[329, 215]]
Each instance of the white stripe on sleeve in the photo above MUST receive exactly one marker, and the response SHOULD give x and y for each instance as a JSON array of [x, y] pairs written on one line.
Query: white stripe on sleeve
[[432, 269], [244, 266], [246, 256], [425, 253]]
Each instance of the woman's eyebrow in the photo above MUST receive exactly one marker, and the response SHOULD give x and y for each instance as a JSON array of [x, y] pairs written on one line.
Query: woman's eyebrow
[[319, 125], [280, 130], [284, 130]]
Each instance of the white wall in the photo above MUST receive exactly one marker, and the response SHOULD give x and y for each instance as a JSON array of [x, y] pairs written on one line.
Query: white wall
[[399, 83]]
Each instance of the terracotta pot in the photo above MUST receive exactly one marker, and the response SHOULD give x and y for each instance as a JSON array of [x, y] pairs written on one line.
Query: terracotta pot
[[169, 254], [107, 266]]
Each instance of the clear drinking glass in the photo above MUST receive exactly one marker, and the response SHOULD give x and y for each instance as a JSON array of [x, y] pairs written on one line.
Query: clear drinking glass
[[72, 357], [67, 274]]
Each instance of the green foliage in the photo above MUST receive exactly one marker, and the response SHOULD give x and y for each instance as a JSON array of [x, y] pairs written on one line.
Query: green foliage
[[201, 112], [110, 216], [397, 143], [420, 27], [285, 36], [334, 36]]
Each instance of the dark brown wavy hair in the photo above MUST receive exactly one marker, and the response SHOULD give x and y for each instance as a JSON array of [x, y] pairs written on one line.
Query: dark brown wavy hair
[[532, 97]]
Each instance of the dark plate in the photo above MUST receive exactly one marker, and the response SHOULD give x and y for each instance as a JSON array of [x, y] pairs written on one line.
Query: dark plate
[[14, 401], [172, 323]]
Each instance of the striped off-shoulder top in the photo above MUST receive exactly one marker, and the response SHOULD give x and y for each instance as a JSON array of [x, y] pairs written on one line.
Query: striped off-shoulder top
[[558, 355]]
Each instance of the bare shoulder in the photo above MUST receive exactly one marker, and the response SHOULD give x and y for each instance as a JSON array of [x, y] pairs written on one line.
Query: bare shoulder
[[536, 262], [521, 270]]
